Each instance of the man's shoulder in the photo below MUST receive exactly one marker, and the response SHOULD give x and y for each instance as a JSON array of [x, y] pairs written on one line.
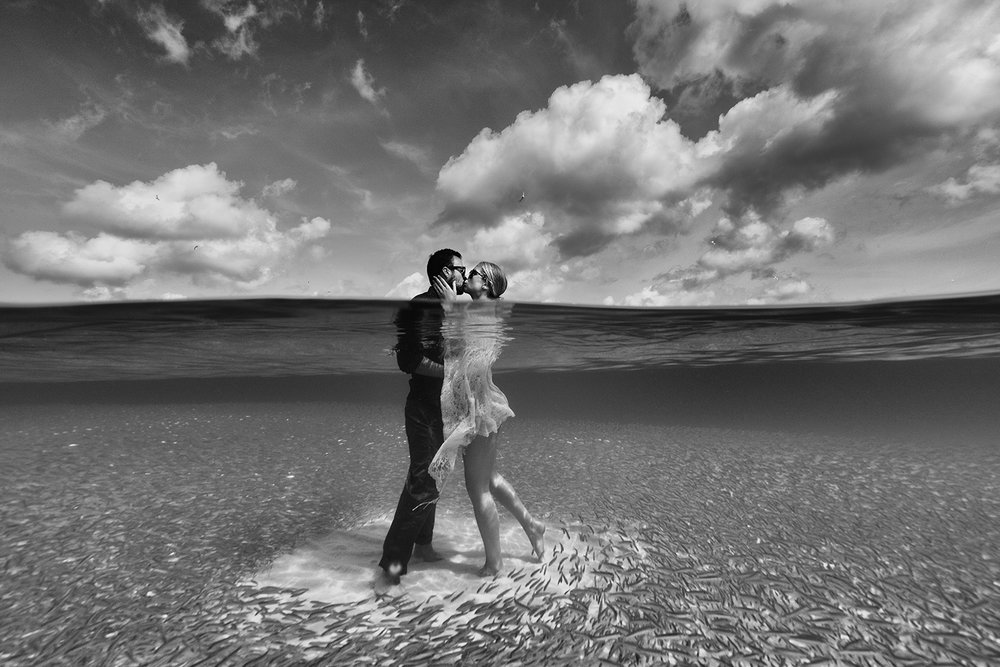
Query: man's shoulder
[[416, 307], [429, 295]]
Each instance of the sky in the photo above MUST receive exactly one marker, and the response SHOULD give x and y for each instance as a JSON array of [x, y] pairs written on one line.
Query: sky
[[633, 153]]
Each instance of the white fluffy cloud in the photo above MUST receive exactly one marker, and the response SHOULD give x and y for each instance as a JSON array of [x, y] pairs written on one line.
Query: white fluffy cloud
[[784, 290], [519, 242], [408, 287], [748, 246], [602, 161], [938, 61], [752, 244], [166, 32], [73, 258], [540, 284], [885, 80], [193, 202], [599, 161], [190, 222], [979, 179], [310, 230], [667, 297], [821, 90]]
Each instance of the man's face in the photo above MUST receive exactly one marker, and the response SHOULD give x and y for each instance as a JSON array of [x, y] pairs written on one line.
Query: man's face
[[454, 273]]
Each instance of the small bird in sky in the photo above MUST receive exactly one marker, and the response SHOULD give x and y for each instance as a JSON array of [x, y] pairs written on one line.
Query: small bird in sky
[[157, 197], [522, 198]]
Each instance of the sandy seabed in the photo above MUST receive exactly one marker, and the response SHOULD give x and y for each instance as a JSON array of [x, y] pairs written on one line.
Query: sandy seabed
[[202, 534]]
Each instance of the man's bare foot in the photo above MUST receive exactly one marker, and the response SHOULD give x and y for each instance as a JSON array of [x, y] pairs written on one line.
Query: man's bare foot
[[535, 536], [386, 580], [426, 553], [489, 571]]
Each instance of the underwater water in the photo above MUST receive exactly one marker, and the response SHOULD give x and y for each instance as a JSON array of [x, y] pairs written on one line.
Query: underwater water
[[209, 482]]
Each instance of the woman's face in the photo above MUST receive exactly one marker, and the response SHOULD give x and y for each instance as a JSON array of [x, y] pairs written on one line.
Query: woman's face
[[475, 284]]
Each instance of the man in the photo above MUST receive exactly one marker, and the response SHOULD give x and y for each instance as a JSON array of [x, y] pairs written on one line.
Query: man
[[420, 352]]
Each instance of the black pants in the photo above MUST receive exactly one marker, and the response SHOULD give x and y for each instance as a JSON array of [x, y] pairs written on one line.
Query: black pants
[[412, 525]]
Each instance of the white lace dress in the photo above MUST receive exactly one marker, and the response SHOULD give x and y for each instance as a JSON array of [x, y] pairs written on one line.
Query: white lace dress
[[471, 404]]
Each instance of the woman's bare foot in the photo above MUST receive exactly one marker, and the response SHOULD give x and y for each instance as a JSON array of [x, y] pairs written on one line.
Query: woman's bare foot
[[535, 536], [490, 571]]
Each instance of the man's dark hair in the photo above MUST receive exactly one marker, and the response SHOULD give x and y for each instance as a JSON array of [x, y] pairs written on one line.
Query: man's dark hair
[[440, 259]]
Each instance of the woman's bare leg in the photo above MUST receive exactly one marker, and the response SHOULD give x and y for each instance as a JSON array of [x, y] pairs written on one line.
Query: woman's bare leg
[[480, 461], [507, 496]]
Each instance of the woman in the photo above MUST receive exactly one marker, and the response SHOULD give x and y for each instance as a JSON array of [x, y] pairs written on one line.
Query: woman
[[473, 408]]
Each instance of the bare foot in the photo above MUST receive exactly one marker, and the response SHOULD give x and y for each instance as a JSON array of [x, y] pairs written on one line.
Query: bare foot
[[535, 536], [489, 571], [386, 582], [426, 553]]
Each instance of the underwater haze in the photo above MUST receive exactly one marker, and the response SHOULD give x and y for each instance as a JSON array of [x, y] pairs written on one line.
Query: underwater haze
[[800, 485]]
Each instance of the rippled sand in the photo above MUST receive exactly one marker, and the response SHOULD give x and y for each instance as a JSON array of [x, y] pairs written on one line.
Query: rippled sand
[[133, 534]]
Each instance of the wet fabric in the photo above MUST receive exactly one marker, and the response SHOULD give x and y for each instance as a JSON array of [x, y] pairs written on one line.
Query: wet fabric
[[471, 403]]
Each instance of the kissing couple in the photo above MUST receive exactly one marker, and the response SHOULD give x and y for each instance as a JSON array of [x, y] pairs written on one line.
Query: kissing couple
[[448, 347]]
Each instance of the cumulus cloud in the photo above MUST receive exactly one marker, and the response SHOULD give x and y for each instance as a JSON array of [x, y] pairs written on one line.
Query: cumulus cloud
[[749, 246], [539, 284], [103, 293], [603, 161], [882, 79], [765, 145], [937, 62], [813, 91], [982, 178], [518, 243], [166, 32], [600, 161], [310, 230], [193, 202], [189, 222], [73, 258], [364, 83], [979, 179], [408, 287], [666, 297], [753, 245]]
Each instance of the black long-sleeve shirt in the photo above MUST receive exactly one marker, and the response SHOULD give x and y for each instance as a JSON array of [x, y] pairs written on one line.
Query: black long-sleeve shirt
[[418, 332]]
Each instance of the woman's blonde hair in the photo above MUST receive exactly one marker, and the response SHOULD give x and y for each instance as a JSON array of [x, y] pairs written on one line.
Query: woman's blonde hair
[[494, 276]]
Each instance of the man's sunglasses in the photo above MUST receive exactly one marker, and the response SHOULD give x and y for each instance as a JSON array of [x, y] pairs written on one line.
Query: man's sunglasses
[[460, 269]]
